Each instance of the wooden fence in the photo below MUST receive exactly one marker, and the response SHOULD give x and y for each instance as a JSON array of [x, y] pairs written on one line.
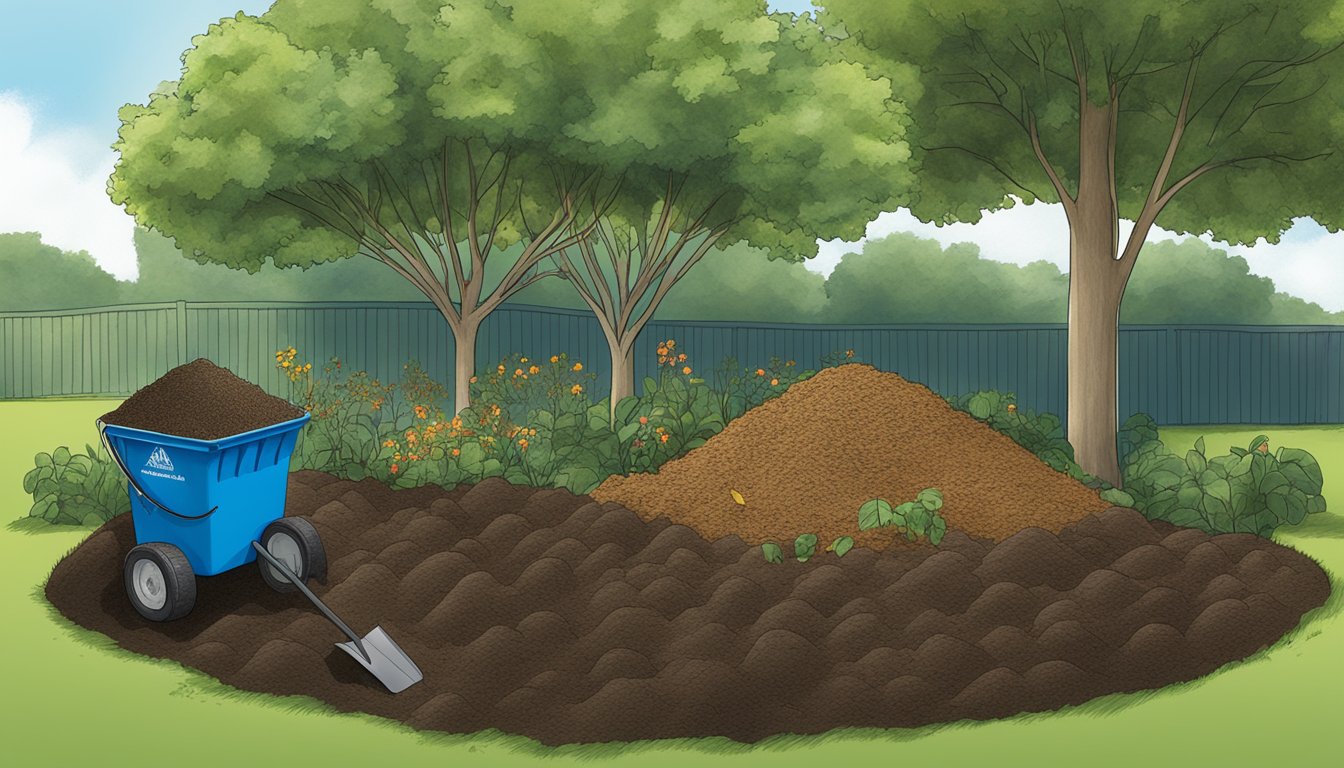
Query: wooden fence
[[1178, 374]]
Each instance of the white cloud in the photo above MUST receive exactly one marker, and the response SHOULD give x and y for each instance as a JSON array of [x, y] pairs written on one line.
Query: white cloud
[[1308, 263], [56, 184]]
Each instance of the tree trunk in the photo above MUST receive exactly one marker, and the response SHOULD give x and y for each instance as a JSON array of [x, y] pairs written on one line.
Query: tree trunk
[[622, 372], [1096, 287], [464, 363]]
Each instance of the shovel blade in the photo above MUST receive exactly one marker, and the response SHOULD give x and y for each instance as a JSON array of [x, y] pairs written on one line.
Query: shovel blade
[[386, 661]]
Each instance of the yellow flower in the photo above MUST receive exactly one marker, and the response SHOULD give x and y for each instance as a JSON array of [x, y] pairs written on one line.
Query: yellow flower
[[534, 370], [671, 344], [285, 364], [517, 371], [686, 370], [577, 367], [389, 443], [576, 389], [522, 359], [849, 353], [501, 367], [555, 358]]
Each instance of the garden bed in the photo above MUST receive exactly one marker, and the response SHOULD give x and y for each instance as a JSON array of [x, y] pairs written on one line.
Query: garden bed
[[546, 614]]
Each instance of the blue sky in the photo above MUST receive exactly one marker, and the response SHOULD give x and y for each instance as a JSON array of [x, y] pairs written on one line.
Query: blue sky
[[66, 66]]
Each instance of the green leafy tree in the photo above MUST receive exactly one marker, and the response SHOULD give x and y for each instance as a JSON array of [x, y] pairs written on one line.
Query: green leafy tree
[[1200, 116], [902, 278], [725, 126], [429, 137], [40, 276]]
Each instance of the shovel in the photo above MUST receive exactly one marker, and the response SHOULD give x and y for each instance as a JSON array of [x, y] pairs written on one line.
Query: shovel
[[376, 652]]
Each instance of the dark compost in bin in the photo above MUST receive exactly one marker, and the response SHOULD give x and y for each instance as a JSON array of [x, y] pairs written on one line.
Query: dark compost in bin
[[202, 401]]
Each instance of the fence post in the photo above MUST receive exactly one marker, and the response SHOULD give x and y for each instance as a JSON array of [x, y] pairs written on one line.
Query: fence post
[[181, 332]]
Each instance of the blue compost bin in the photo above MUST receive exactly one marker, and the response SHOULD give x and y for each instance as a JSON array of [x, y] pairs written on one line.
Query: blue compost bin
[[232, 488]]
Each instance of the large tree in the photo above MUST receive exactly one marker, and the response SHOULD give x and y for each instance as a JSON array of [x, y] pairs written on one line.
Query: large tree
[[428, 136], [726, 126], [1200, 116]]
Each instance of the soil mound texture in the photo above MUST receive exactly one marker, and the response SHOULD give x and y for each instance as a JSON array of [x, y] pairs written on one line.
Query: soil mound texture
[[202, 401], [549, 615], [806, 460]]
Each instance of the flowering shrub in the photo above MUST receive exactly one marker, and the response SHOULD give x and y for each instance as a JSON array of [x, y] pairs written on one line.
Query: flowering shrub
[[738, 390], [521, 385]]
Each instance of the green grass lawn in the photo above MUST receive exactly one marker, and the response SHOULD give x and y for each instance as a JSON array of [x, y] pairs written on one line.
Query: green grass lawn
[[70, 697]]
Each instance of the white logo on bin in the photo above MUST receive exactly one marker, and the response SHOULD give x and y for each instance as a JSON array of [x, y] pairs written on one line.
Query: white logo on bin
[[159, 460], [159, 465]]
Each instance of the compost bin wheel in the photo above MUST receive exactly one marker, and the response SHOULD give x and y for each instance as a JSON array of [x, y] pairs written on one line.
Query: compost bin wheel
[[159, 581], [294, 542]]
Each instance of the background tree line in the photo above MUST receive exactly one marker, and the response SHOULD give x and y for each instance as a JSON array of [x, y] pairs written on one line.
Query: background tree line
[[897, 279]]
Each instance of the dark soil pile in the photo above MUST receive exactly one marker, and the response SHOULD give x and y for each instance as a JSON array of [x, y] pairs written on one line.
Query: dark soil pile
[[805, 461], [202, 401], [545, 614]]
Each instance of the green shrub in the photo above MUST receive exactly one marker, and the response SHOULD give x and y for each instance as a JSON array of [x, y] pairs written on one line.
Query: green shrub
[[916, 519], [1249, 490], [76, 488]]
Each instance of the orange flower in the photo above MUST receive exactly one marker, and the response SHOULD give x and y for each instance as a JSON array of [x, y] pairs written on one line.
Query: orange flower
[[760, 371], [774, 382], [576, 389], [421, 412], [671, 344], [681, 358], [389, 443], [534, 370], [849, 353], [643, 419], [662, 350], [577, 367], [473, 379], [555, 358], [522, 443], [501, 368], [664, 437], [517, 371], [394, 469], [457, 452], [686, 370]]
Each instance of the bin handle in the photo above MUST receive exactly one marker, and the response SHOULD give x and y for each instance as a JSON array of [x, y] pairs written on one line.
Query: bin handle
[[117, 458]]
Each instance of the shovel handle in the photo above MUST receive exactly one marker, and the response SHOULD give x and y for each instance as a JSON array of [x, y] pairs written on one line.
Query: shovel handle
[[308, 593]]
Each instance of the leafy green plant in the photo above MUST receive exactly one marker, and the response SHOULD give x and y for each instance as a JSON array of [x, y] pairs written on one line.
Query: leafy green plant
[[842, 545], [805, 546], [916, 519], [76, 488], [1249, 490], [772, 552]]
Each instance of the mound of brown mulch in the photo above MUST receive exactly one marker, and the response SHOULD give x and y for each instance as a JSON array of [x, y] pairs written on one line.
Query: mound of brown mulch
[[805, 461], [203, 401], [546, 614]]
